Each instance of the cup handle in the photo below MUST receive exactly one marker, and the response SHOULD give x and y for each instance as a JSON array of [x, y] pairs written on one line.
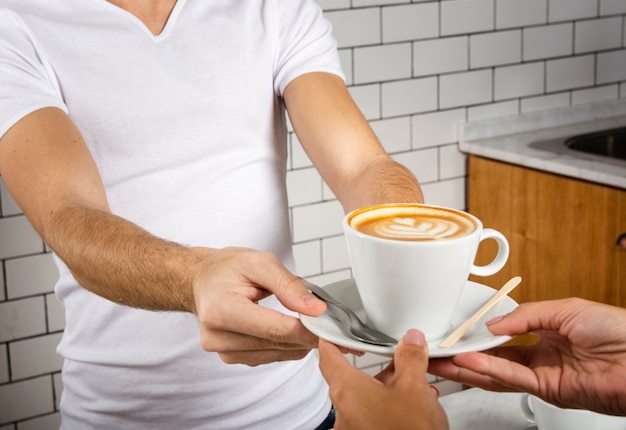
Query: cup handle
[[500, 259], [526, 408]]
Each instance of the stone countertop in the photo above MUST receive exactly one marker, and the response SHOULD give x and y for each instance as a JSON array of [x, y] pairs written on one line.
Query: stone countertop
[[477, 409], [507, 139]]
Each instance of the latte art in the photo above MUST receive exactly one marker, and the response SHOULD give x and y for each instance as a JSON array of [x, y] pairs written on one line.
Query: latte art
[[412, 229], [412, 223]]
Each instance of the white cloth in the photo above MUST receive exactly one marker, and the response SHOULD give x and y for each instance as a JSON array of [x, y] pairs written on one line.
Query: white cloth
[[188, 131]]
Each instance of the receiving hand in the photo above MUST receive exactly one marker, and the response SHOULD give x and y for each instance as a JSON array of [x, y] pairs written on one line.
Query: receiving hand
[[228, 285], [397, 398], [578, 362]]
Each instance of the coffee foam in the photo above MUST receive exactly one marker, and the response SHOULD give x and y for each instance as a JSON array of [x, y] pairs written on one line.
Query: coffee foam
[[412, 222]]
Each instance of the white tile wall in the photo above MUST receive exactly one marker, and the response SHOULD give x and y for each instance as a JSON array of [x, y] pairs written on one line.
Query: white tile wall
[[548, 41], [427, 58], [565, 10], [494, 49], [515, 13], [416, 68]]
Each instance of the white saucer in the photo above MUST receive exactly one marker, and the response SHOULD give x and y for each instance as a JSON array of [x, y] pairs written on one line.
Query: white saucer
[[478, 338]]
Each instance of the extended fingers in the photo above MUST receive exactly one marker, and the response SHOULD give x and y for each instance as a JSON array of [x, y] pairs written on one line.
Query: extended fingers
[[493, 372], [532, 316]]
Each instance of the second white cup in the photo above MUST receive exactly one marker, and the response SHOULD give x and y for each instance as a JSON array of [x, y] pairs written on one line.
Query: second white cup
[[550, 417]]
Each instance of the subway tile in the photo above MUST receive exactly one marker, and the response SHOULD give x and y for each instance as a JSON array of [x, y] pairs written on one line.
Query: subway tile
[[550, 101], [55, 313], [361, 3], [466, 16], [611, 66], [516, 13], [18, 237], [4, 363], [27, 276], [299, 158], [333, 4], [436, 128], [57, 382], [595, 94], [46, 422], [316, 221], [410, 22], [22, 318], [493, 49], [367, 98], [35, 356], [345, 58], [493, 110], [611, 7], [382, 63], [304, 186], [8, 206], [423, 164], [452, 162], [570, 73], [598, 34], [327, 193], [394, 133], [548, 41], [3, 296], [335, 254], [26, 399], [565, 10], [308, 258], [450, 193], [356, 27], [409, 96], [463, 89], [519, 81], [431, 57]]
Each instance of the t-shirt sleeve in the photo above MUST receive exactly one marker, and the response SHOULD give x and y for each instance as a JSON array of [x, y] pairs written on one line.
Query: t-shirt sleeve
[[305, 42], [26, 80]]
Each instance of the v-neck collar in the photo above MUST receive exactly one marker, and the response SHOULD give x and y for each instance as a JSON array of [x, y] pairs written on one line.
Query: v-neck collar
[[171, 20]]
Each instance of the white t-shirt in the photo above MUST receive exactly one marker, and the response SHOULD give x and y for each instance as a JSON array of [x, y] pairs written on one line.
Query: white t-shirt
[[188, 131]]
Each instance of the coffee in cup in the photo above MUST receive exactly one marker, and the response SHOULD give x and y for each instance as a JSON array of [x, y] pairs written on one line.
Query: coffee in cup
[[411, 262]]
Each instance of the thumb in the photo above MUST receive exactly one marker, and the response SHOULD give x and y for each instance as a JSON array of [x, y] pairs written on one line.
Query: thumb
[[294, 295], [411, 357]]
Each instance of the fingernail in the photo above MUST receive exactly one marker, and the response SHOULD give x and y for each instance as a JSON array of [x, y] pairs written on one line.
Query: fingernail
[[310, 300], [415, 337], [494, 320]]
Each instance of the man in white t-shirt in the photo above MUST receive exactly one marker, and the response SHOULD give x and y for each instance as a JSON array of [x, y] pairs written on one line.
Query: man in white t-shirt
[[146, 143]]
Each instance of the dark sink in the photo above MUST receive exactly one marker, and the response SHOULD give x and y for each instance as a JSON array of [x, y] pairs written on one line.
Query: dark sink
[[606, 145], [609, 143]]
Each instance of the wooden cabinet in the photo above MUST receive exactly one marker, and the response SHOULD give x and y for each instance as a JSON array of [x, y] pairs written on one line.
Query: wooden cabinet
[[562, 232]]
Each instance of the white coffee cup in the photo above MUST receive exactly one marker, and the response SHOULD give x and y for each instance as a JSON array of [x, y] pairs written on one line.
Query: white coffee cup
[[550, 417], [411, 262]]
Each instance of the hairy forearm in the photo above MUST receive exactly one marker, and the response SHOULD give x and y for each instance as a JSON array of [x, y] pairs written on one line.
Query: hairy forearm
[[382, 181], [119, 261]]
